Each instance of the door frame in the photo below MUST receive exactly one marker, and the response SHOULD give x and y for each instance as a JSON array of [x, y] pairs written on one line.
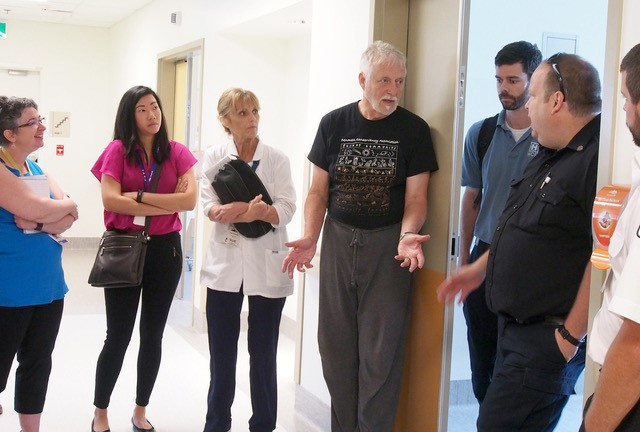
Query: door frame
[[193, 54]]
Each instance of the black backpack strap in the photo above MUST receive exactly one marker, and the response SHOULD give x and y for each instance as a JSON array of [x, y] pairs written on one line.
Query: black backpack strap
[[485, 136]]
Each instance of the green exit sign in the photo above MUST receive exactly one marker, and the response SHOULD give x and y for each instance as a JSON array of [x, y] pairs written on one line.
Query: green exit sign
[[3, 30]]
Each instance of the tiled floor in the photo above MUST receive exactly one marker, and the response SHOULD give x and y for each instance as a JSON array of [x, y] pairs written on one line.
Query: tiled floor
[[178, 403]]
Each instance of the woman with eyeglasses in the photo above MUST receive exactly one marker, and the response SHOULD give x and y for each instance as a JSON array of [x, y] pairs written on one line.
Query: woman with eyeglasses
[[33, 287], [140, 152]]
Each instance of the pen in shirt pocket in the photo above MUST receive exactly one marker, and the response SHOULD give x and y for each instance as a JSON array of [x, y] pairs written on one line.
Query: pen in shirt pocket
[[546, 180]]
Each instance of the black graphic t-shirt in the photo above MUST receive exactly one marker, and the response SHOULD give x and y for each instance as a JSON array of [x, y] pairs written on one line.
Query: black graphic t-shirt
[[369, 161]]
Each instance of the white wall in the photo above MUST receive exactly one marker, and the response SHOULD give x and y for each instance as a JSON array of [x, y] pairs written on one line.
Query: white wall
[[624, 147], [228, 60], [78, 83]]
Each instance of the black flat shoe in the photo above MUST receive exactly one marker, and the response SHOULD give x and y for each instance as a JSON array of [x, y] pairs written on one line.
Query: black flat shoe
[[137, 429], [93, 430]]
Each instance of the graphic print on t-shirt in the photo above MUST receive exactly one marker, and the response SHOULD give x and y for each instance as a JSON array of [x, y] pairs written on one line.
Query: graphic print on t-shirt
[[365, 170]]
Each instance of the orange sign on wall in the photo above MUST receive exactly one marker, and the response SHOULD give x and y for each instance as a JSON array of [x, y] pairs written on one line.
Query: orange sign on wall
[[606, 211]]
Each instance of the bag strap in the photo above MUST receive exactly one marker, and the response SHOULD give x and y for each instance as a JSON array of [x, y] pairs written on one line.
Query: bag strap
[[154, 185], [485, 136]]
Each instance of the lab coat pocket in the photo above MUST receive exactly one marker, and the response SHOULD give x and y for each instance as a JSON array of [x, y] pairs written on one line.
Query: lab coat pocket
[[275, 277]]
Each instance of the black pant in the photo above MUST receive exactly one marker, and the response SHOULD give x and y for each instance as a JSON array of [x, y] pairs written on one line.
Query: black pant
[[31, 332], [532, 380], [482, 333], [223, 319], [162, 269], [631, 422]]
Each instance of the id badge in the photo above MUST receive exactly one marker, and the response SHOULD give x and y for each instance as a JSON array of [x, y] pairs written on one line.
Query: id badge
[[138, 220], [232, 236]]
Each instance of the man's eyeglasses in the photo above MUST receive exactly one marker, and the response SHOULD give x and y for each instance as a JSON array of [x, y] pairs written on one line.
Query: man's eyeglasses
[[32, 123], [556, 71]]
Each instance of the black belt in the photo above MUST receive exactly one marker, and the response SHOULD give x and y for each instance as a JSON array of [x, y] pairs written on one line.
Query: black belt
[[550, 320]]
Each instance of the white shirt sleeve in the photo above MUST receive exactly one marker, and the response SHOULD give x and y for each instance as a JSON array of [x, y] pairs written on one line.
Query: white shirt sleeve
[[208, 197], [284, 193], [626, 298]]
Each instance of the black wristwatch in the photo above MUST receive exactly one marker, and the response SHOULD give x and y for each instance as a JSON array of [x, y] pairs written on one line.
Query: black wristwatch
[[567, 336], [38, 226]]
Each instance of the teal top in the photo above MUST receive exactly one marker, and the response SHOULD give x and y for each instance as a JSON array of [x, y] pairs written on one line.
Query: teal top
[[30, 264]]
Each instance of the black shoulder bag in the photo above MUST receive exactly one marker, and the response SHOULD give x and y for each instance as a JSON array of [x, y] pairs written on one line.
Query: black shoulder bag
[[120, 259], [236, 181]]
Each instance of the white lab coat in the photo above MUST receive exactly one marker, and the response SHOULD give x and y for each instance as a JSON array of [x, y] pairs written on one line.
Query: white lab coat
[[253, 263]]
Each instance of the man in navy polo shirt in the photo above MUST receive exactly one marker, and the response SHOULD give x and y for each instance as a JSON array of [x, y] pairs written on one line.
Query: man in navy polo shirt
[[486, 181]]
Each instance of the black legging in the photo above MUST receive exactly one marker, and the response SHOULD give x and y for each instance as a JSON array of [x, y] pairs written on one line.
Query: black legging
[[162, 271]]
